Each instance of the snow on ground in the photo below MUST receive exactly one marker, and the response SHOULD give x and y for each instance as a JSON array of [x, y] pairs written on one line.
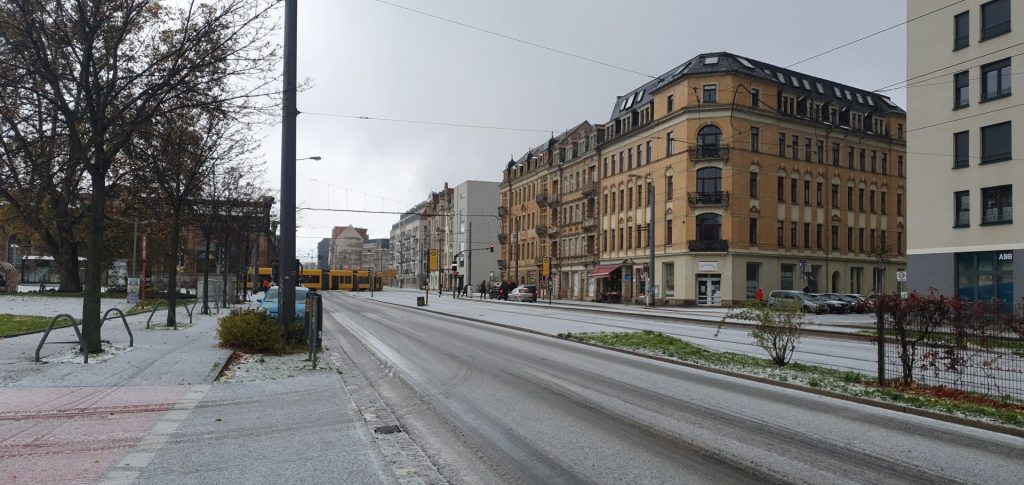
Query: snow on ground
[[51, 306], [74, 356], [256, 367]]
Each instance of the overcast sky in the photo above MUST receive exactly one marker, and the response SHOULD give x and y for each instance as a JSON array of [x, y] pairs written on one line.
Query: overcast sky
[[367, 58]]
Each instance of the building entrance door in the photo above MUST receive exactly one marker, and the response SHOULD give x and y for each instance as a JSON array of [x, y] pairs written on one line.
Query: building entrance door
[[709, 289]]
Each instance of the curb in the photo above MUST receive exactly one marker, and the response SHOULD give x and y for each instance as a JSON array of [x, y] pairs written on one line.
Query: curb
[[972, 423]]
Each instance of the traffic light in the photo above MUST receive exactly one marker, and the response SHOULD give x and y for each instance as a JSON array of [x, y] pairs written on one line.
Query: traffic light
[[491, 248]]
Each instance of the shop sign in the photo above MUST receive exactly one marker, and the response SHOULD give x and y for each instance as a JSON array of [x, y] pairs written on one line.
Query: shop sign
[[1005, 256], [707, 266]]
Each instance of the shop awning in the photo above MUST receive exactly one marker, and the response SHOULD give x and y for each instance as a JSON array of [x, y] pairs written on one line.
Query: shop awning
[[6, 267], [604, 271]]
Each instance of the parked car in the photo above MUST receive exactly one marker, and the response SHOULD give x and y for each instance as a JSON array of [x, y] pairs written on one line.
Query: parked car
[[862, 304], [835, 303], [797, 300], [524, 293], [270, 300]]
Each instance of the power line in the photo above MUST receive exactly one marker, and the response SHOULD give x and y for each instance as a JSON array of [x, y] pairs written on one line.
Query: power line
[[516, 39], [401, 213], [423, 122], [909, 79], [872, 34]]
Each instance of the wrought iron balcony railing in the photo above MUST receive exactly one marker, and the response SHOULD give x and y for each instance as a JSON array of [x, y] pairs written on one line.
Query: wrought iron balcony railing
[[709, 246], [708, 199], [708, 152]]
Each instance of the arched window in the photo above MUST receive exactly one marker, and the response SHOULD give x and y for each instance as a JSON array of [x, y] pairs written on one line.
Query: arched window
[[12, 250], [709, 227], [709, 180], [709, 135]]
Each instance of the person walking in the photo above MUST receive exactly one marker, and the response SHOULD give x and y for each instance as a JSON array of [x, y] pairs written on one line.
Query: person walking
[[3, 283]]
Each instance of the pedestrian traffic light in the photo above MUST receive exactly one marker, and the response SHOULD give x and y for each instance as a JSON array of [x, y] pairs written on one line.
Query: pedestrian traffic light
[[491, 248]]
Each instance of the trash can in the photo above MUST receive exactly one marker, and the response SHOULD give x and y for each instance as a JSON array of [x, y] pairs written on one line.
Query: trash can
[[421, 301], [314, 324]]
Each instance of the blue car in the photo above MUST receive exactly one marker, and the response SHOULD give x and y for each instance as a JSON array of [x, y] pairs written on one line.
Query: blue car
[[269, 301]]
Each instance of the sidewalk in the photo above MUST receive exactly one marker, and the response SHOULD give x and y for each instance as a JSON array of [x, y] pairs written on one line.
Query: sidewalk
[[154, 413]]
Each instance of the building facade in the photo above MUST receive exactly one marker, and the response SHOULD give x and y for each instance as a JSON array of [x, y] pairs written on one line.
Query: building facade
[[323, 254], [409, 247], [475, 231], [965, 120], [524, 214], [347, 247]]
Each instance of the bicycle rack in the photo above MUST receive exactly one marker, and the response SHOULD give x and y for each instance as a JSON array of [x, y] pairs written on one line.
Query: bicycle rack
[[74, 325], [191, 310], [155, 308], [131, 338]]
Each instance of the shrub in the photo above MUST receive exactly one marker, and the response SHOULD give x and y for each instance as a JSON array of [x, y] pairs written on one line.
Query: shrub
[[252, 331], [777, 329]]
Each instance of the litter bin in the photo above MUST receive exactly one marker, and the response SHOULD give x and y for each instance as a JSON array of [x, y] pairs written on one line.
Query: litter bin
[[421, 301]]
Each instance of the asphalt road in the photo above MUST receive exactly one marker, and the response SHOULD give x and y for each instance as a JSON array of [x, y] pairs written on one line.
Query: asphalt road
[[489, 405]]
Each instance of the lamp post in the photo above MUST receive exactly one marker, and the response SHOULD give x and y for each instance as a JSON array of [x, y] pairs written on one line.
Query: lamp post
[[649, 292]]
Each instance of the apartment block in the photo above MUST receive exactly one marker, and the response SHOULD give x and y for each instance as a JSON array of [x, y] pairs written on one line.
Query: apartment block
[[965, 121]]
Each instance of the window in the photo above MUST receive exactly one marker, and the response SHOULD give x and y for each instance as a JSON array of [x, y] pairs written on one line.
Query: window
[[962, 208], [849, 157], [807, 149], [995, 18], [996, 143], [668, 232], [899, 166], [860, 239], [710, 93], [849, 239], [818, 194], [670, 100], [997, 205], [709, 180], [629, 197], [871, 201], [863, 159], [755, 139], [899, 243], [961, 149], [995, 80], [819, 233], [669, 276], [961, 90], [835, 237], [786, 276], [753, 185], [752, 238], [782, 188], [709, 142], [709, 227], [755, 97], [795, 147], [753, 279], [622, 161], [792, 234], [885, 163], [821, 151], [779, 230], [961, 31], [639, 155], [835, 196], [860, 200], [792, 192], [883, 202], [782, 144], [807, 234], [899, 204], [807, 192], [668, 187], [648, 152], [629, 238], [849, 198], [668, 144], [621, 237], [874, 161], [629, 158], [835, 154]]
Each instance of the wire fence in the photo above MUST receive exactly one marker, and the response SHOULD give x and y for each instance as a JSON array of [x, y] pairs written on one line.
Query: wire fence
[[968, 346]]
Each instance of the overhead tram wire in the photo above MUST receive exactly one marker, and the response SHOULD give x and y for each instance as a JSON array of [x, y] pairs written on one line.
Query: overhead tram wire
[[847, 44], [424, 122]]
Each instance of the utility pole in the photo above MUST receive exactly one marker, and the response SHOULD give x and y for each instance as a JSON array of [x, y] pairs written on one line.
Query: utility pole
[[286, 259], [650, 244], [469, 255]]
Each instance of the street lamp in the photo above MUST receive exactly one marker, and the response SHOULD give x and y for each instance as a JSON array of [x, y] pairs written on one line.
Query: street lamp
[[649, 292]]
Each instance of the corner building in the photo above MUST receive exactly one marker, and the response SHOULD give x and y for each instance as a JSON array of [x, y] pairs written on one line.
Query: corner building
[[966, 120], [763, 178]]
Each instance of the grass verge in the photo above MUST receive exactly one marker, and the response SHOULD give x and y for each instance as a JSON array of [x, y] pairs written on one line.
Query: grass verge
[[949, 401], [16, 324]]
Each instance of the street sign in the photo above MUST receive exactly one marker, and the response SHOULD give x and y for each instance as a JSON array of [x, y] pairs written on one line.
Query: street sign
[[433, 260], [547, 267], [628, 276], [133, 290], [901, 276]]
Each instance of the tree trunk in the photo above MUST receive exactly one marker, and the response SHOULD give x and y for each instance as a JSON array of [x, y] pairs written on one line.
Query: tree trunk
[[91, 323], [172, 272]]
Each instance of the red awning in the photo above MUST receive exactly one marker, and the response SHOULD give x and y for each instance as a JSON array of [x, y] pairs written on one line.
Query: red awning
[[604, 271]]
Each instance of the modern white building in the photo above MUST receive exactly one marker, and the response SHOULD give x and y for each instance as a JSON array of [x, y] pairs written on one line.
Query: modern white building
[[475, 213], [965, 120]]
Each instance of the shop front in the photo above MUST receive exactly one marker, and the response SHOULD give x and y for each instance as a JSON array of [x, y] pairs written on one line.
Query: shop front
[[709, 283], [609, 282]]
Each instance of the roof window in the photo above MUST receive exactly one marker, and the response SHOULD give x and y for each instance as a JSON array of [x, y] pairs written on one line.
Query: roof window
[[745, 62], [710, 60], [821, 90]]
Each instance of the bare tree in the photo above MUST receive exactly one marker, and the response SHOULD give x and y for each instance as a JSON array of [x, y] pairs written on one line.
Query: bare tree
[[107, 68]]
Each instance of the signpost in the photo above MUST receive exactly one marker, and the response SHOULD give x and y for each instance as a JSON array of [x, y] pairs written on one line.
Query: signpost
[[546, 272], [431, 266], [133, 290]]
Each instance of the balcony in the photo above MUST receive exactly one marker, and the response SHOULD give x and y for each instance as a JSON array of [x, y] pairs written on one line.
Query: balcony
[[503, 238], [708, 152], [553, 201], [502, 212], [589, 188], [502, 264], [709, 246], [541, 230], [589, 224], [553, 231], [541, 198], [708, 199]]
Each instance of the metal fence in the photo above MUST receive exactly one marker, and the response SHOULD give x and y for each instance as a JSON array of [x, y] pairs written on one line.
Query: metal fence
[[973, 347]]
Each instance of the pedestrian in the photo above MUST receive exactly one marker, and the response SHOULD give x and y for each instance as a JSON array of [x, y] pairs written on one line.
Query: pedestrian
[[758, 295], [3, 283], [483, 288], [465, 290]]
